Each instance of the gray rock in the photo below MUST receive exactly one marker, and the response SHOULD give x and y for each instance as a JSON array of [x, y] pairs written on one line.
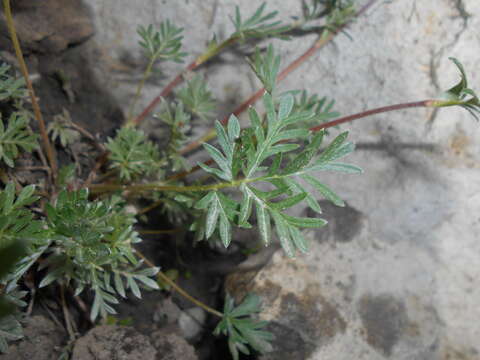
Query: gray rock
[[42, 341], [171, 346], [114, 342], [48, 26], [191, 322], [326, 305]]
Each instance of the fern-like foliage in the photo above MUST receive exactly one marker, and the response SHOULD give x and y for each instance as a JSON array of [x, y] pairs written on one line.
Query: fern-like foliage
[[260, 24], [164, 44], [249, 156], [93, 249], [242, 330], [10, 87], [10, 326], [266, 67], [132, 154], [198, 100], [178, 122], [22, 241], [320, 106], [16, 136], [270, 152]]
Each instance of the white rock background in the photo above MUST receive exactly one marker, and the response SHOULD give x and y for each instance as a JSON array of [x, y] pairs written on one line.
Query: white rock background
[[419, 248]]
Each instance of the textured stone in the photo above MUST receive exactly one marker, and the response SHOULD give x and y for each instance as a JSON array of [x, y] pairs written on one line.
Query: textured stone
[[48, 26], [42, 339], [108, 342]]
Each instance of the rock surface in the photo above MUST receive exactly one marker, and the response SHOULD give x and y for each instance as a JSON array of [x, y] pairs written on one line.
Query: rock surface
[[123, 342], [42, 341], [48, 26], [346, 299], [114, 342]]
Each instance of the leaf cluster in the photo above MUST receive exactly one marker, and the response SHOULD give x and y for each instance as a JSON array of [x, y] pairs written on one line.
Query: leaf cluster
[[10, 87], [260, 24], [266, 67], [93, 249], [60, 128], [197, 99], [320, 106], [248, 156], [132, 154], [242, 330], [461, 95], [164, 44], [178, 122], [15, 136], [22, 241]]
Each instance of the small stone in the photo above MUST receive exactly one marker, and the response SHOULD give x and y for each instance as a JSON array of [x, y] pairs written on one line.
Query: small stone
[[191, 322], [171, 346]]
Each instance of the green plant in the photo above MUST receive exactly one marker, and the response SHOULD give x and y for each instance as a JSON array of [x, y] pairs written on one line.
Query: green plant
[[84, 234]]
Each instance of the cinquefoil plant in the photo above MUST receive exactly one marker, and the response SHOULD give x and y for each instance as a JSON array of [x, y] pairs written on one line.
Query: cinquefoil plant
[[82, 235]]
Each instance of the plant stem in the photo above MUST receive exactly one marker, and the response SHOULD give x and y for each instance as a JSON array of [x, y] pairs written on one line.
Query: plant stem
[[156, 187], [178, 289], [140, 86], [200, 60], [326, 36], [36, 108], [363, 114]]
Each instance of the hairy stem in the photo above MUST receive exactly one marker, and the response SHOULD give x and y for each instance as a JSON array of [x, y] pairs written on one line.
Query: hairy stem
[[178, 289], [36, 108], [96, 188]]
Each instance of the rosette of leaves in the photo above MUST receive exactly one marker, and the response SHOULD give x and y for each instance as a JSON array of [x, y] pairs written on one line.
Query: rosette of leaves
[[132, 154], [93, 249], [198, 100]]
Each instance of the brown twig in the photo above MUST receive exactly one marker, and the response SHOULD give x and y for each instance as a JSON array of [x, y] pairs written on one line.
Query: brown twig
[[36, 108]]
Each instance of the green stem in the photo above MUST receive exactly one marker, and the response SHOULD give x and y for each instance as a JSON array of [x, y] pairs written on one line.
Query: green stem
[[96, 188], [140, 86]]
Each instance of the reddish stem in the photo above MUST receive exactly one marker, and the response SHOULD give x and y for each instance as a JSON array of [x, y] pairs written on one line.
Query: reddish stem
[[165, 92], [424, 103]]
